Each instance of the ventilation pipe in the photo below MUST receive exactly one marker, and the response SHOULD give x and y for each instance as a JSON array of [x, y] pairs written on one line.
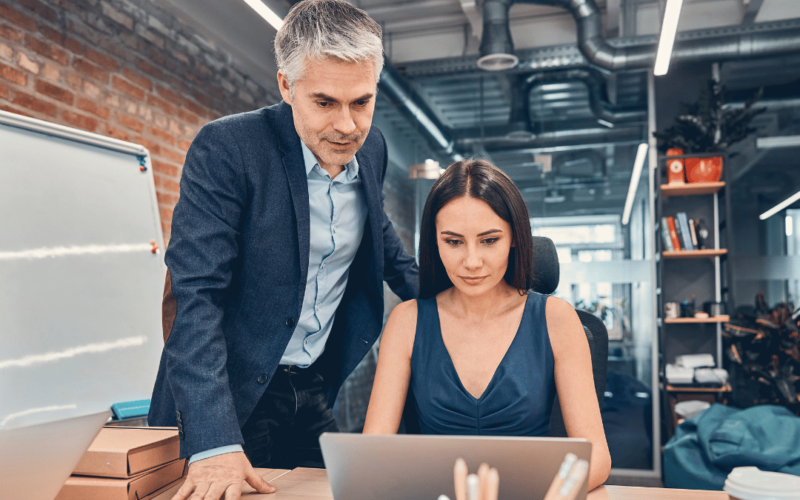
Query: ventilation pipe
[[600, 53], [497, 48]]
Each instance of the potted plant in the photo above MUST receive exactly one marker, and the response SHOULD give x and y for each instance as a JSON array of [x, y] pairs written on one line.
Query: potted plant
[[705, 126]]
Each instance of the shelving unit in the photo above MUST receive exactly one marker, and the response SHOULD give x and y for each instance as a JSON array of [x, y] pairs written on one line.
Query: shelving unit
[[695, 254], [713, 319]]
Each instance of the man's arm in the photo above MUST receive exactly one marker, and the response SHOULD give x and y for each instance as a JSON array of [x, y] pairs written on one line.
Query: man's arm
[[202, 249]]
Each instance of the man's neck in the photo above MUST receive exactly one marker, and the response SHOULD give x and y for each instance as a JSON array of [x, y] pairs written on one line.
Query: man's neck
[[333, 170]]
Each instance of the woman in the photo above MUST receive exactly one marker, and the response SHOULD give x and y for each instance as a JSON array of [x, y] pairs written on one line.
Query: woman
[[484, 355]]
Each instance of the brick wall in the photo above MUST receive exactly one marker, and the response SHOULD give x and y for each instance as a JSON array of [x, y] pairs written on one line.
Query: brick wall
[[120, 68]]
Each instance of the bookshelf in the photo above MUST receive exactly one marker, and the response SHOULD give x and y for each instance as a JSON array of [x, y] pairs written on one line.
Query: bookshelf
[[695, 254], [712, 319]]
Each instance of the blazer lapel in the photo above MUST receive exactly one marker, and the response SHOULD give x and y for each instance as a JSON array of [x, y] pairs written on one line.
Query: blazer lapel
[[289, 145], [371, 183]]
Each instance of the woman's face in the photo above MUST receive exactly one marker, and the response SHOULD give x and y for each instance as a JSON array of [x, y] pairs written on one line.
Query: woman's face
[[474, 243]]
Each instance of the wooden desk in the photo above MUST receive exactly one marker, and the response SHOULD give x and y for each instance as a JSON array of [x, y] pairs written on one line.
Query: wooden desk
[[312, 484]]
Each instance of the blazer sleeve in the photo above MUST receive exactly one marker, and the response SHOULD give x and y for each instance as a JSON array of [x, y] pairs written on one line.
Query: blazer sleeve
[[202, 250], [399, 268]]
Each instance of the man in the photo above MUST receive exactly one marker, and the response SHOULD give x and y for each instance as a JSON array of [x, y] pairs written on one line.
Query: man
[[279, 248]]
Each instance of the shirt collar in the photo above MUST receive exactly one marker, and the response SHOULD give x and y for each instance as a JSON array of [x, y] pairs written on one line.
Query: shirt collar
[[350, 169]]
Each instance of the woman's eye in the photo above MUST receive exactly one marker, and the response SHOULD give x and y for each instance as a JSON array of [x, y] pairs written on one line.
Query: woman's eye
[[490, 241], [453, 243]]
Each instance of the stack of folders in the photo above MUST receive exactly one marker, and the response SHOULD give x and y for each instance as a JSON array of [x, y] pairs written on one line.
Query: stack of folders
[[126, 463], [680, 233]]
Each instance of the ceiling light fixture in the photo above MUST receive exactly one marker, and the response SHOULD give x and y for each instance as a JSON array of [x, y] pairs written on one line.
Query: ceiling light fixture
[[668, 31], [780, 206], [786, 141], [265, 12], [641, 154]]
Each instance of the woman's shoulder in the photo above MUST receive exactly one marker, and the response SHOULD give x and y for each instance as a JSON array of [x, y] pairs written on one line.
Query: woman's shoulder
[[401, 327]]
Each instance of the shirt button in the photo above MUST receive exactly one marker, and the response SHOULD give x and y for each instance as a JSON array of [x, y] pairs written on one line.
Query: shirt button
[[322, 266], [290, 322], [334, 229], [317, 307], [262, 379]]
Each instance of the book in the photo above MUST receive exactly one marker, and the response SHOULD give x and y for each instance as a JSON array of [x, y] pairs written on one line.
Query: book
[[694, 233], [673, 233], [665, 235], [686, 236]]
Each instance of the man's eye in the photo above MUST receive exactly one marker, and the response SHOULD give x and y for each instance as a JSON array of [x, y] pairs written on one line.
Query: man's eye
[[323, 104], [362, 103]]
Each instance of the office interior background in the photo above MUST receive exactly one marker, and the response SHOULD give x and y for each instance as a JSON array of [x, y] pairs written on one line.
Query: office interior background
[[565, 121]]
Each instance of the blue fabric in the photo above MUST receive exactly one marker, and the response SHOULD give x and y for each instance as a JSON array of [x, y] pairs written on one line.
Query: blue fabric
[[214, 452], [517, 402], [706, 447], [337, 213], [238, 259]]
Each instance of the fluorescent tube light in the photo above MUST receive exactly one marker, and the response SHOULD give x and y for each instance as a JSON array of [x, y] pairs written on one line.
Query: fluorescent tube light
[[668, 30], [265, 12], [785, 141], [641, 154], [780, 206]]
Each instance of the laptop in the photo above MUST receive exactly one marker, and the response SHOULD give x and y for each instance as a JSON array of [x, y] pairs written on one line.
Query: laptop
[[399, 467], [35, 460]]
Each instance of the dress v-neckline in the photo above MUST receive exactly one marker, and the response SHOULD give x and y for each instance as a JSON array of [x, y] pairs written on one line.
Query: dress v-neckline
[[496, 369]]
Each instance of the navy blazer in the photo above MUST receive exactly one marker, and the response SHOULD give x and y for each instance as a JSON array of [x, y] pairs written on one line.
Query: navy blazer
[[238, 262]]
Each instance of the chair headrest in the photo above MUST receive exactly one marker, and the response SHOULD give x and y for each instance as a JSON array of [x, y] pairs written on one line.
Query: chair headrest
[[545, 265]]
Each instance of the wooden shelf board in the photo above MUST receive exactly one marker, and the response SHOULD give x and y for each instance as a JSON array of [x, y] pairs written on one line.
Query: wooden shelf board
[[692, 188], [694, 254], [672, 388], [713, 319]]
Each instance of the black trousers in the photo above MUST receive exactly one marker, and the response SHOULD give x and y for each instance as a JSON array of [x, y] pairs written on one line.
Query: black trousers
[[283, 430]]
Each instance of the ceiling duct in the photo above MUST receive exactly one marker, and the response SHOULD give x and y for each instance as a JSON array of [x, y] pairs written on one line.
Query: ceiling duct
[[594, 46], [497, 48]]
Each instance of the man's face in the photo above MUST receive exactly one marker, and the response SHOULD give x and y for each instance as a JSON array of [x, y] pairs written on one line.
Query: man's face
[[332, 107]]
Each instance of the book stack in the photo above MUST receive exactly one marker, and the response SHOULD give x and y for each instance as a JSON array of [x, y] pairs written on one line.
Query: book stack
[[681, 233], [126, 463]]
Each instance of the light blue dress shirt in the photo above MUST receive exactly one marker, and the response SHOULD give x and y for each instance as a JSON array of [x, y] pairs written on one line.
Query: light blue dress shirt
[[338, 213]]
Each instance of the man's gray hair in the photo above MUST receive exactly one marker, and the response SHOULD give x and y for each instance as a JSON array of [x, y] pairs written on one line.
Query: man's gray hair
[[327, 29]]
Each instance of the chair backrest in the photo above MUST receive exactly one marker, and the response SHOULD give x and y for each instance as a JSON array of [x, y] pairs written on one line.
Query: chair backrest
[[546, 276]]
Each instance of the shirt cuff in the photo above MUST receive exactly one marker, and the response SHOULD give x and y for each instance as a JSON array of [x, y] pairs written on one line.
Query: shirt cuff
[[214, 452]]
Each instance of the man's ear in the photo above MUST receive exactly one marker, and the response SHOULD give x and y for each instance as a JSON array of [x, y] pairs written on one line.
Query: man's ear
[[283, 85]]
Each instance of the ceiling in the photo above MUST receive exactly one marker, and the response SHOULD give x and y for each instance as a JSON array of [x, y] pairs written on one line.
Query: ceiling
[[433, 44]]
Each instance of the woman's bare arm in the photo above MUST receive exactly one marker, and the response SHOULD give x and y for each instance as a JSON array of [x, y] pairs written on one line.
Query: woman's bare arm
[[394, 371], [575, 385]]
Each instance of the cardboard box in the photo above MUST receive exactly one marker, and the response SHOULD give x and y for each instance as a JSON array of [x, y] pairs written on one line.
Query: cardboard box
[[147, 484], [124, 452]]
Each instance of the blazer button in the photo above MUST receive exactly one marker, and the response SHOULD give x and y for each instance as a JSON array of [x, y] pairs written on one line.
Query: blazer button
[[290, 322], [262, 379]]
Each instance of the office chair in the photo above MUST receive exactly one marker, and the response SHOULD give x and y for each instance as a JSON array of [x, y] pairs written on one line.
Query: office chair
[[546, 276]]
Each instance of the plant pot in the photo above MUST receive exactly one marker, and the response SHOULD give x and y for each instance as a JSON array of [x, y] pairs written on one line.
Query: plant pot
[[704, 169]]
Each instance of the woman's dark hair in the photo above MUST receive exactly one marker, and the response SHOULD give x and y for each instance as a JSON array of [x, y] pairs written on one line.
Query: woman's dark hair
[[483, 181]]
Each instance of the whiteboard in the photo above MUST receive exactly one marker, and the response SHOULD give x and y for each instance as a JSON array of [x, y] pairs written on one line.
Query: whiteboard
[[80, 288]]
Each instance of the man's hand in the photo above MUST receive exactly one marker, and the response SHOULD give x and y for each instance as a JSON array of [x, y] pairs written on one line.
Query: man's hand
[[221, 477]]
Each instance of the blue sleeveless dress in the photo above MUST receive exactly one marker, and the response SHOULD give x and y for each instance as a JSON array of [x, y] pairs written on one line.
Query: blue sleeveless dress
[[517, 401]]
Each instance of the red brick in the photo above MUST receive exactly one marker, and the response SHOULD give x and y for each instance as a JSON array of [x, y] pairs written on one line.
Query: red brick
[[148, 68], [10, 33], [166, 213], [92, 107], [74, 81], [47, 50], [54, 91], [194, 107], [184, 145], [165, 168], [188, 117], [153, 147], [40, 9], [128, 122], [167, 199], [3, 91], [161, 181], [203, 99], [128, 88], [158, 58], [17, 17], [34, 104], [117, 133], [168, 94], [13, 75], [60, 38], [3, 107], [101, 60], [168, 138], [90, 70], [138, 79], [173, 156], [160, 104], [80, 121]]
